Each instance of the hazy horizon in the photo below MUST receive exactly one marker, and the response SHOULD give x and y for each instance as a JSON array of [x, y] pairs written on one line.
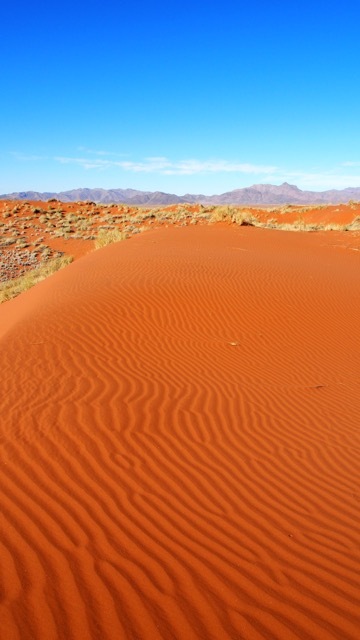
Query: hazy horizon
[[214, 193]]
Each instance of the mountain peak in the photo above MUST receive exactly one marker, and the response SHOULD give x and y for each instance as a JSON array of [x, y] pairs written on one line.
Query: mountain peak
[[264, 194]]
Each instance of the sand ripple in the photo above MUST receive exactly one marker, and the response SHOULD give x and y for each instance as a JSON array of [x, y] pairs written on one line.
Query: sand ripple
[[180, 444]]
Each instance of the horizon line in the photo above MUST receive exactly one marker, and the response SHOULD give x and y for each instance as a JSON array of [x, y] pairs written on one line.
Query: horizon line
[[252, 186]]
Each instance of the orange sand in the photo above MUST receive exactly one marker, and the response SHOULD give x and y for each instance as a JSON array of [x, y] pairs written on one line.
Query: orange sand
[[180, 443]]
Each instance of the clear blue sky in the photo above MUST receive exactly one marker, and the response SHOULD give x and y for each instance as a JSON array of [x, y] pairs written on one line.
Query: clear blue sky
[[199, 97]]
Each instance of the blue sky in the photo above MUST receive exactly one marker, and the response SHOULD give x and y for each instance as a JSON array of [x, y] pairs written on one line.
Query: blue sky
[[180, 97]]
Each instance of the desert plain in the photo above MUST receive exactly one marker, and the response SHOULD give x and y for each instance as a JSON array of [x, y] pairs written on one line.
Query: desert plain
[[180, 423]]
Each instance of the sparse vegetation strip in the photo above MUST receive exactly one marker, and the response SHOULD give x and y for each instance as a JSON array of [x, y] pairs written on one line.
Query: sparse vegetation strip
[[31, 233], [14, 287]]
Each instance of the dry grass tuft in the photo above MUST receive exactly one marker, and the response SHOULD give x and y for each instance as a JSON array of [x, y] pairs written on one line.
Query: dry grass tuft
[[234, 215], [106, 237], [12, 288], [354, 225], [245, 218], [222, 214]]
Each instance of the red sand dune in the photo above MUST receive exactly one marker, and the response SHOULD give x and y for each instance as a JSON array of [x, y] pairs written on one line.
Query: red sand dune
[[180, 442]]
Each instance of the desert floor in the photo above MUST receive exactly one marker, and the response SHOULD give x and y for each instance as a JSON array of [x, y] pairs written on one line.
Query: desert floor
[[180, 440]]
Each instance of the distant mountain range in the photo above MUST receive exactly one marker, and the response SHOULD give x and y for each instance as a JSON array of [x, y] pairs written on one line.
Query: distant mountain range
[[258, 194]]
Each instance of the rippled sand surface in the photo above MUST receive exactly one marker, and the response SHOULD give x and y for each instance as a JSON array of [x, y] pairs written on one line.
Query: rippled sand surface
[[180, 442]]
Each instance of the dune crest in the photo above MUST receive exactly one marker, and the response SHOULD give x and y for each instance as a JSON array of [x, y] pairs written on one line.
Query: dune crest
[[180, 441]]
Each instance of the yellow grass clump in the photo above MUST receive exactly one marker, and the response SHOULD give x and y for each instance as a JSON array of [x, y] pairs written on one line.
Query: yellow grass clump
[[106, 237], [235, 215]]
